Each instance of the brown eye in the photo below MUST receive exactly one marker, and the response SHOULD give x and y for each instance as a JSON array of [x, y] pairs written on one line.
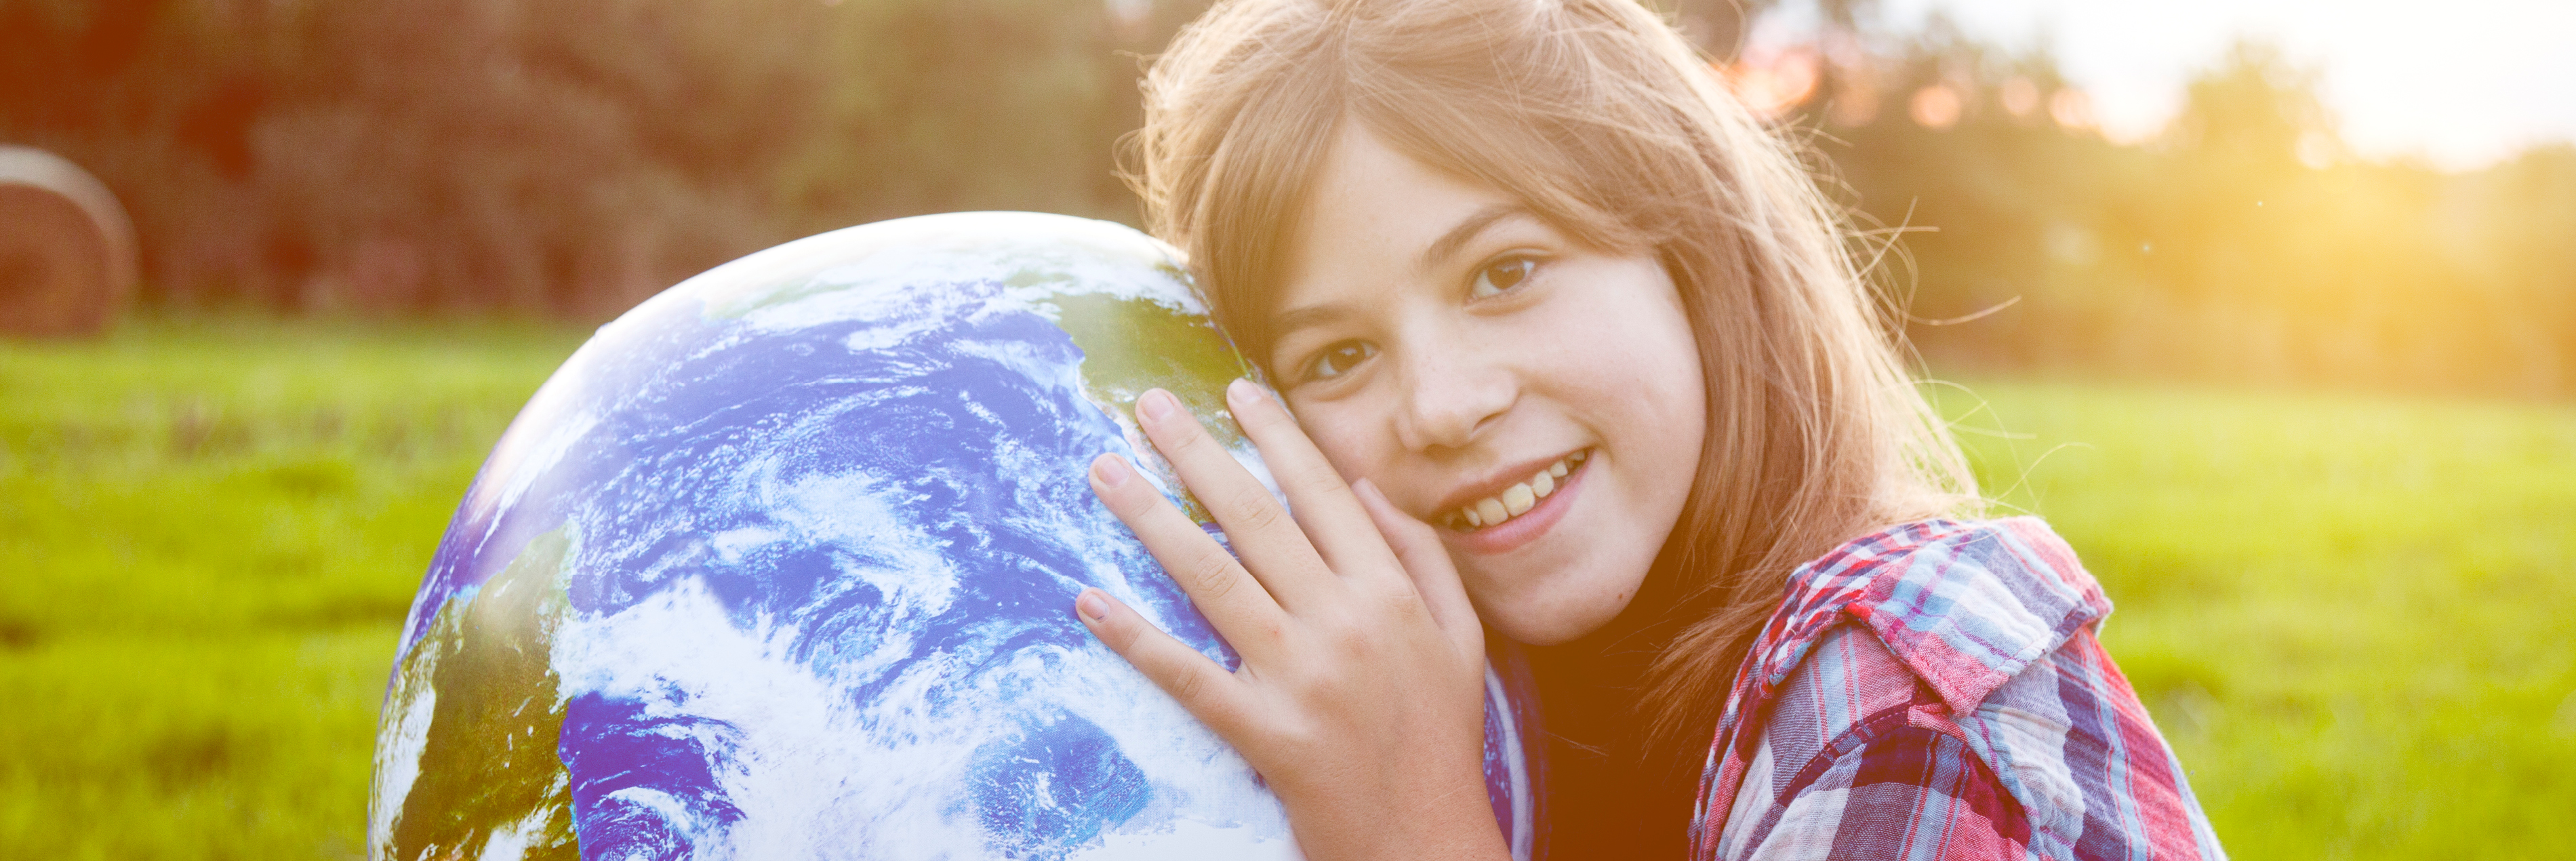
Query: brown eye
[[1501, 276], [1339, 358]]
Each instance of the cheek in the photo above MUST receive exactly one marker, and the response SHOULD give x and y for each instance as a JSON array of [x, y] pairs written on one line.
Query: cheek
[[1671, 351], [1643, 359], [1651, 406], [1675, 418], [1343, 435], [1676, 347]]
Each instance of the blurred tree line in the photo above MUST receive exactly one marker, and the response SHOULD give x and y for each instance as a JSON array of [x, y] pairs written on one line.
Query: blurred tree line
[[568, 158], [2242, 243]]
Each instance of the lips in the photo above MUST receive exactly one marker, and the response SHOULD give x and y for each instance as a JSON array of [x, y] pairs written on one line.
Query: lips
[[1514, 500]]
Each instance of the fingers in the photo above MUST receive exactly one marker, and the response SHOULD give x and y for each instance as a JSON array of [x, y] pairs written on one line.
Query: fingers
[[1221, 588], [1426, 560], [1339, 528], [1270, 543], [1210, 693]]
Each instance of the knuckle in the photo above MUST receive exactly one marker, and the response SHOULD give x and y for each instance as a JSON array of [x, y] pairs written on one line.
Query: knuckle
[[1186, 686], [1323, 480], [1300, 735], [1346, 638], [1400, 600], [1255, 510], [1123, 637], [1213, 573], [1181, 436]]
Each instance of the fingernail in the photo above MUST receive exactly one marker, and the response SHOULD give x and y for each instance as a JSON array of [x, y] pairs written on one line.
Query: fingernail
[[1110, 470], [1243, 390], [1155, 404], [1092, 605]]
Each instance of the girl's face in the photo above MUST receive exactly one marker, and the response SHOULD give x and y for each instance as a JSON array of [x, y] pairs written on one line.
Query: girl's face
[[1538, 401]]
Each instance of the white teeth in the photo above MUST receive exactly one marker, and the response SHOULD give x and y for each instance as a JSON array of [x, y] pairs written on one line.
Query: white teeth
[[1515, 500]]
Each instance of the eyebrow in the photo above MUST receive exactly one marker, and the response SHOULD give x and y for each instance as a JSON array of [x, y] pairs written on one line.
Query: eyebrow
[[1288, 322], [1448, 244]]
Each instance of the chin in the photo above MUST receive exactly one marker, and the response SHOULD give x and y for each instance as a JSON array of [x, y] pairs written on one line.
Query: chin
[[1548, 620]]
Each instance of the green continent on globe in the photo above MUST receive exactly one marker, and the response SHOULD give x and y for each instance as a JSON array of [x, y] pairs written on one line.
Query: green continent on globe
[[491, 778], [1132, 345]]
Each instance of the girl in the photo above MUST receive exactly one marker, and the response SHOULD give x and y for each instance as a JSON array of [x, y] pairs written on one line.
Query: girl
[[1585, 342]]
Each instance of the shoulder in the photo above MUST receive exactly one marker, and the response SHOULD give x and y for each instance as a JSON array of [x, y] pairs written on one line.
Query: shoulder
[[1944, 677], [1965, 604]]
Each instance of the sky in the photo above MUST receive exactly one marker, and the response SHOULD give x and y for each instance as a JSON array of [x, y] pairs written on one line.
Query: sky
[[2462, 83]]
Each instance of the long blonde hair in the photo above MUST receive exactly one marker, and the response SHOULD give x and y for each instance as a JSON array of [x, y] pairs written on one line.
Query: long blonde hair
[[1607, 124]]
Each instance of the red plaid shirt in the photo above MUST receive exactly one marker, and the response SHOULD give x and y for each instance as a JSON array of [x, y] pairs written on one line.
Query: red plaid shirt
[[1934, 690]]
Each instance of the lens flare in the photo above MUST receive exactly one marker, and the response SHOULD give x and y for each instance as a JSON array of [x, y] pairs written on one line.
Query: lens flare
[[1936, 107], [1773, 83], [2071, 108], [1855, 104], [2019, 95]]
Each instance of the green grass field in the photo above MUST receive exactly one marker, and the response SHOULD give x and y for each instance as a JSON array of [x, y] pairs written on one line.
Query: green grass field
[[2351, 615]]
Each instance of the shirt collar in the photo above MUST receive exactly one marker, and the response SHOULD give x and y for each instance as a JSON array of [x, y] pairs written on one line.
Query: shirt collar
[[1965, 605]]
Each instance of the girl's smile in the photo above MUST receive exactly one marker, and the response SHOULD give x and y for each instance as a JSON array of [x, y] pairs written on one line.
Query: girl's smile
[[1538, 399], [1488, 517]]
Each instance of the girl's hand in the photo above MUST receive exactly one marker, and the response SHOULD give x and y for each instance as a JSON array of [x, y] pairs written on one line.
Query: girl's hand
[[1361, 694]]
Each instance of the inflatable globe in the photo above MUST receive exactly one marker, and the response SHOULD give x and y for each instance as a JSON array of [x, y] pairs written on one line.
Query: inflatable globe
[[780, 565]]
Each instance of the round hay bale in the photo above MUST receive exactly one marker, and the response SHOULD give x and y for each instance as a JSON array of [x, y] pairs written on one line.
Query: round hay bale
[[67, 255]]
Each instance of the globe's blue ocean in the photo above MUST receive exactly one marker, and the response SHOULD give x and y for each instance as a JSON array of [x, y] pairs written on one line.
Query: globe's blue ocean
[[779, 566]]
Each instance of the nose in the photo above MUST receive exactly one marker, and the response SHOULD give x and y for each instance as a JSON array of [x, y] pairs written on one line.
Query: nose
[[1453, 389]]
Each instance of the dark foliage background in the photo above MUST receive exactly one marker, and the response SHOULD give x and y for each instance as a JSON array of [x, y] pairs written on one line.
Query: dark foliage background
[[555, 158], [567, 158]]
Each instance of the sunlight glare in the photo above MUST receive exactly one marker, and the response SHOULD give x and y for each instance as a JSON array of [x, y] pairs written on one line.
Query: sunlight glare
[[1936, 107]]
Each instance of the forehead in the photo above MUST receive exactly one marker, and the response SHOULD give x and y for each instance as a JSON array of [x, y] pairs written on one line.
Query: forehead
[[1371, 214]]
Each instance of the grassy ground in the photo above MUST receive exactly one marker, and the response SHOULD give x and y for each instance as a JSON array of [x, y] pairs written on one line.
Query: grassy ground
[[2349, 614], [208, 536]]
